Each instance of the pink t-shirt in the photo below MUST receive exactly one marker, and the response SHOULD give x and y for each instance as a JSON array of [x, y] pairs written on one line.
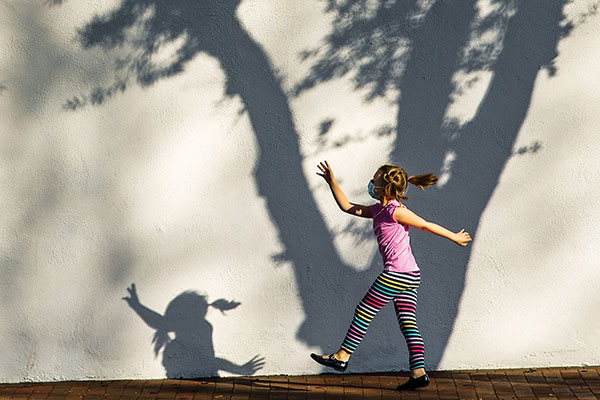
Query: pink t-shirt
[[393, 239]]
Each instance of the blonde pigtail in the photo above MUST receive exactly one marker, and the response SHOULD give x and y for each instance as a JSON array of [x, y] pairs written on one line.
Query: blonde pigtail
[[423, 181], [396, 181]]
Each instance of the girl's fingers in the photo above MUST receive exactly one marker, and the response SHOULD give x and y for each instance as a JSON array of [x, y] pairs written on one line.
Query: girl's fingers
[[465, 234], [466, 238], [324, 168]]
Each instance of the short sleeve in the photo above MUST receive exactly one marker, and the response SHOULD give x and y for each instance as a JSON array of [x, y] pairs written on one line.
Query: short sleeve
[[392, 208], [390, 211]]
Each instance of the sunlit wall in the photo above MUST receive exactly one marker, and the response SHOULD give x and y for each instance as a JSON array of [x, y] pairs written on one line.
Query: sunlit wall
[[162, 216]]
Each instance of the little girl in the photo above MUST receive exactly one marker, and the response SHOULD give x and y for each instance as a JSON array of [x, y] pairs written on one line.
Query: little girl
[[400, 278]]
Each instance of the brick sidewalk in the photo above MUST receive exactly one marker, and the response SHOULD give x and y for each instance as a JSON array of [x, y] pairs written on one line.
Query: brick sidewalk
[[544, 383]]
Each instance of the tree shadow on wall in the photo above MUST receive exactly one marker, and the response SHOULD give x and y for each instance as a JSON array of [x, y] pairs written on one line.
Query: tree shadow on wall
[[190, 27], [190, 354], [398, 48]]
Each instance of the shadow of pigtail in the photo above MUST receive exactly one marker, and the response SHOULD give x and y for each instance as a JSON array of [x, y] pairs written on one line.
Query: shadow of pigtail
[[160, 339], [224, 305]]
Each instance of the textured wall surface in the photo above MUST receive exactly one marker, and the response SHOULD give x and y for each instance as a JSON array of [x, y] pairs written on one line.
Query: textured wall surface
[[161, 215]]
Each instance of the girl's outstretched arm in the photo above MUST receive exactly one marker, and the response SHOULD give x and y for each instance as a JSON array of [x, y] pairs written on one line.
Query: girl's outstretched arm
[[151, 317], [405, 216], [340, 198]]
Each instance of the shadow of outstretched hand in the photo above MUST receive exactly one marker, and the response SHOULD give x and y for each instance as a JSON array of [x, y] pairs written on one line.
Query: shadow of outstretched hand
[[253, 366], [133, 299], [250, 368]]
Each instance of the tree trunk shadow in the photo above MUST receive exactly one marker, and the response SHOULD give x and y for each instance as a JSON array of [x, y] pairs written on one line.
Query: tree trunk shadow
[[482, 150], [483, 146], [370, 40], [213, 28]]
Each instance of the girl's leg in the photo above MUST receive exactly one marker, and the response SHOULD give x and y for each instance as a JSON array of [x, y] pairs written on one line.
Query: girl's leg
[[406, 306], [386, 287]]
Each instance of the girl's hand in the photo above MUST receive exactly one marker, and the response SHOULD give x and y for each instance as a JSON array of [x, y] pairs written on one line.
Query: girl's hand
[[326, 172], [462, 238]]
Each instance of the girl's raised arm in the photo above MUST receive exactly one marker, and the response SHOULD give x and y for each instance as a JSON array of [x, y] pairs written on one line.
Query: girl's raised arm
[[346, 206], [405, 216]]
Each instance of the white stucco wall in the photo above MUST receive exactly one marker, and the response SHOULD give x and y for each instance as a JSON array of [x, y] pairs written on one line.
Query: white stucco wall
[[204, 181]]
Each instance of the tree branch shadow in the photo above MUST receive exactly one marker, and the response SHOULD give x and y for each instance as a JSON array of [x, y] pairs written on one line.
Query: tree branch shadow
[[154, 40], [406, 50], [397, 48]]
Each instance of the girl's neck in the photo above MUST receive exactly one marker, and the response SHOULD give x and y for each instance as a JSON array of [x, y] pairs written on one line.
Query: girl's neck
[[386, 200]]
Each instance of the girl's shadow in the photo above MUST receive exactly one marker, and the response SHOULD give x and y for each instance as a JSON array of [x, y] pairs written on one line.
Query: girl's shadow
[[190, 354]]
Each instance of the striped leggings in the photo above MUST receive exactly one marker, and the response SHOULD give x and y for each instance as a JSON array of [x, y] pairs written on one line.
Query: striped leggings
[[402, 288]]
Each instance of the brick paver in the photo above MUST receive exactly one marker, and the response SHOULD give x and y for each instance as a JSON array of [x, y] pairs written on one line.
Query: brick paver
[[520, 384]]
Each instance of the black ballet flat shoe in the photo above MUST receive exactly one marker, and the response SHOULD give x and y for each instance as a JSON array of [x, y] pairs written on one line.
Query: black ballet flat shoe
[[331, 362], [414, 383]]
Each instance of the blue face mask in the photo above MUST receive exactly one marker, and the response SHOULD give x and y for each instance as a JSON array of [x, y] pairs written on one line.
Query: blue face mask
[[371, 189]]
